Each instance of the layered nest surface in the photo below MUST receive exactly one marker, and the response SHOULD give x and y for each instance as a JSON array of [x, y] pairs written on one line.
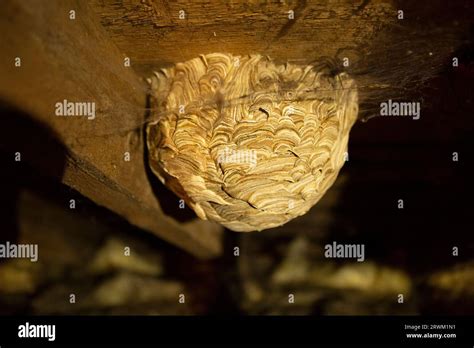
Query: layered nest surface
[[246, 142]]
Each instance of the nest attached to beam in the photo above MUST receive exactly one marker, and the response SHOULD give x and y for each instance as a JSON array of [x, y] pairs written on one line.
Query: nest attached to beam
[[246, 142]]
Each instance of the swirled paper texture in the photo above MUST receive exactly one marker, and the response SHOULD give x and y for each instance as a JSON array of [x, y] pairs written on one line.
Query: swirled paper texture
[[246, 142]]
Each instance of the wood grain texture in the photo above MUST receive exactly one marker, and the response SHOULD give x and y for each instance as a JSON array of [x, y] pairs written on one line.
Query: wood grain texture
[[74, 60], [152, 34]]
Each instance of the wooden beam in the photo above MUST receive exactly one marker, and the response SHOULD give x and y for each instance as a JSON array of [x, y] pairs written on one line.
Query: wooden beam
[[54, 51], [160, 32]]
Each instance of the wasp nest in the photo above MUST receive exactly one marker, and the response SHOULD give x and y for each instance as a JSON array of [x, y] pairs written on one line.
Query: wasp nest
[[246, 142]]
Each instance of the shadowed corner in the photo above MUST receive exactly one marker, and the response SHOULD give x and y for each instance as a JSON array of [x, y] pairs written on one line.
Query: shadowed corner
[[23, 142], [24, 146]]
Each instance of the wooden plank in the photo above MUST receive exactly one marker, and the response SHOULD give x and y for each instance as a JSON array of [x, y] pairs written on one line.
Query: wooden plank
[[155, 32], [64, 58]]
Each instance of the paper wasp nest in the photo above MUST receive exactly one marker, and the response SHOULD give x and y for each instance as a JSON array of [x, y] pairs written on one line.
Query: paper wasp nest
[[248, 143]]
